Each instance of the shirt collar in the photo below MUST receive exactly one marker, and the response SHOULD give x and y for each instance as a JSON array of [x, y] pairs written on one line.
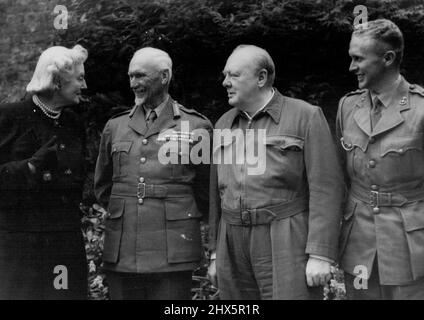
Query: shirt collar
[[260, 109], [158, 109], [387, 96]]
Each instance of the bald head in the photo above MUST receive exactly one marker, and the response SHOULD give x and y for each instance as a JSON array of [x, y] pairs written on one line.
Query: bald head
[[157, 59], [259, 60]]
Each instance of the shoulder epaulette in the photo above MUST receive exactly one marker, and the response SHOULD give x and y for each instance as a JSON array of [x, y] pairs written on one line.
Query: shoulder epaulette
[[120, 114], [191, 111], [356, 92], [414, 88]]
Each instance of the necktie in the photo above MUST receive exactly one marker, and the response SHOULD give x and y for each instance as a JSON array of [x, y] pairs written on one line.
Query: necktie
[[376, 112], [151, 118]]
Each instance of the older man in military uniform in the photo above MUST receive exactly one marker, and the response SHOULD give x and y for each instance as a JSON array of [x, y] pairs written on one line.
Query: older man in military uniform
[[380, 128], [278, 227], [153, 239]]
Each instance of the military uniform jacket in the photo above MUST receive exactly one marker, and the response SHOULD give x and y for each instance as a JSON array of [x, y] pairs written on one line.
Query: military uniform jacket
[[301, 163], [49, 200], [155, 208], [383, 217]]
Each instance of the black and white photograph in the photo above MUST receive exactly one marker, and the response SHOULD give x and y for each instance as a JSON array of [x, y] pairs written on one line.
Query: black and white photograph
[[224, 151]]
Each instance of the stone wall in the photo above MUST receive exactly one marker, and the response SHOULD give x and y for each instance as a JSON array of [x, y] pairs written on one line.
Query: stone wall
[[26, 29]]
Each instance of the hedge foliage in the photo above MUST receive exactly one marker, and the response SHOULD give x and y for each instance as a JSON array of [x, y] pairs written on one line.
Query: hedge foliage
[[308, 40]]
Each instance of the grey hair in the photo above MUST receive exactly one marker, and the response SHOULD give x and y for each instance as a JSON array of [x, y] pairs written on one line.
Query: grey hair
[[263, 60], [55, 62], [159, 57]]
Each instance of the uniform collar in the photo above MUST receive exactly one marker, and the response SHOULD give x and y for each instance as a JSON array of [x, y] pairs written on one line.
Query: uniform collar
[[158, 109], [387, 97], [273, 108], [392, 116], [165, 120]]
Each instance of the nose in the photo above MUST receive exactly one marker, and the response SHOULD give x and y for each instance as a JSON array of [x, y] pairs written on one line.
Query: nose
[[353, 67], [84, 84], [133, 83], [226, 82]]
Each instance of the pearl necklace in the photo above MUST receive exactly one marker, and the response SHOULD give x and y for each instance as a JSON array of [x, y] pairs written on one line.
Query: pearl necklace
[[52, 114]]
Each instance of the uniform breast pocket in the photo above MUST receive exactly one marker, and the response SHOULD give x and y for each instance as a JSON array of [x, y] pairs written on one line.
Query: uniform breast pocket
[[120, 157], [284, 156], [403, 155], [182, 230]]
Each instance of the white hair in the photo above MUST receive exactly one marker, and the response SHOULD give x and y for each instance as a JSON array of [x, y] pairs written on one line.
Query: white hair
[[160, 58], [55, 62]]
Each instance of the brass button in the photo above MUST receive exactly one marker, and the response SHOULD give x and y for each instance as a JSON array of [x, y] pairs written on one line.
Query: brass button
[[372, 140], [140, 201], [372, 163], [189, 214], [143, 160], [376, 210], [374, 187], [144, 141], [141, 179], [401, 150], [62, 146]]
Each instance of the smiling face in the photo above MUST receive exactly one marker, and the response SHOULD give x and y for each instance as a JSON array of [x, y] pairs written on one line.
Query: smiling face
[[241, 79], [147, 81], [71, 86], [367, 62]]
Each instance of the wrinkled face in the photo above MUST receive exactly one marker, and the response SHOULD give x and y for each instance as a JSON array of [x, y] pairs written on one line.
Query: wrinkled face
[[241, 79], [146, 81], [367, 62], [71, 86]]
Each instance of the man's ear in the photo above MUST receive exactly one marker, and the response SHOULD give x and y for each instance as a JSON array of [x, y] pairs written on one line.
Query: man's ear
[[389, 58], [165, 76], [262, 78]]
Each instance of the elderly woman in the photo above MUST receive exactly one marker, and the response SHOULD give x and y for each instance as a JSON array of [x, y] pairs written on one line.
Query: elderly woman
[[42, 253]]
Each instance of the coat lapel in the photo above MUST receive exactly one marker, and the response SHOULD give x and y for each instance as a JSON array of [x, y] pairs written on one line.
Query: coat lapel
[[392, 116], [138, 121], [362, 114]]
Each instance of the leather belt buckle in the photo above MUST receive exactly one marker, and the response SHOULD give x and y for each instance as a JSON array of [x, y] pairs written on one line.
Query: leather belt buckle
[[374, 199], [245, 218], [141, 190]]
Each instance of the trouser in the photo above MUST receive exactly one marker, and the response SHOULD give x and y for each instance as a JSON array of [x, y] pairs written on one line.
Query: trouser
[[149, 286], [357, 289], [42, 265], [247, 263]]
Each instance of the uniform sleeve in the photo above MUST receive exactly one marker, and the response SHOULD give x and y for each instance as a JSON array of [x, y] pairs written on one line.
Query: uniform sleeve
[[214, 208], [201, 180], [14, 174], [341, 153], [104, 169], [326, 189]]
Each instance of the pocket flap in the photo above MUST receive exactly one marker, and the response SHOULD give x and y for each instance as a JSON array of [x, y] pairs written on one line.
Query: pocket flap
[[221, 144], [122, 146], [181, 208], [400, 145], [286, 142], [413, 217], [116, 208]]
